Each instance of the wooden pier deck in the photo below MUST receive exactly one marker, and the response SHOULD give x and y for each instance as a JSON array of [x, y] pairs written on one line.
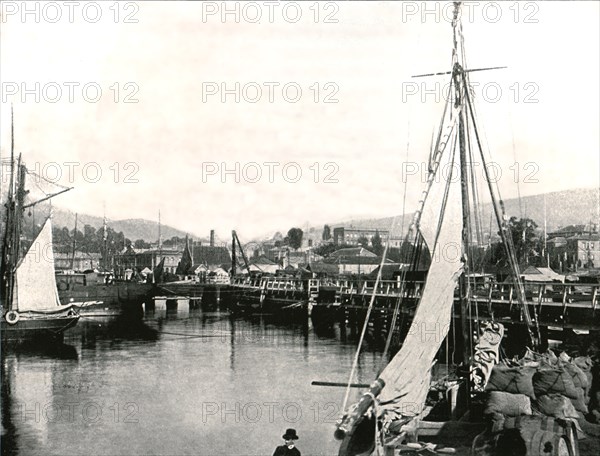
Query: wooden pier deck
[[570, 305]]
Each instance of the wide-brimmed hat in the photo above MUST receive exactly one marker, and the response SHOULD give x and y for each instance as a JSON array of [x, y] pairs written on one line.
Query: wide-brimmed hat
[[290, 434]]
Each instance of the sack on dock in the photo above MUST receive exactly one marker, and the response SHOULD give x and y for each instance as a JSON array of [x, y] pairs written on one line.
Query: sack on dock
[[550, 357], [556, 405], [580, 380], [496, 421], [580, 402], [507, 404], [547, 381], [516, 380], [564, 357], [586, 364]]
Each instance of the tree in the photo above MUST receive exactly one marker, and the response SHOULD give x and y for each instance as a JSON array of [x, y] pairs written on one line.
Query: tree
[[363, 241], [61, 239], [79, 239], [140, 244], [526, 242], [326, 233], [294, 237], [326, 249], [376, 243], [91, 241], [174, 242]]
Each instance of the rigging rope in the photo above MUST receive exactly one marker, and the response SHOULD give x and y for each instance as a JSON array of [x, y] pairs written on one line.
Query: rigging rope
[[392, 324], [507, 239], [367, 316]]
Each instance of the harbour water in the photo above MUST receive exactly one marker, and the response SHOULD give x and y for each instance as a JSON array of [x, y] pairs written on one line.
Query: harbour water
[[185, 382]]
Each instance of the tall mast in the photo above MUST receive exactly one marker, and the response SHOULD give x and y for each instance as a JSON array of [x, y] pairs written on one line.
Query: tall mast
[[105, 242], [16, 224], [233, 259], [159, 237], [8, 254], [466, 232], [546, 235], [74, 244], [460, 88]]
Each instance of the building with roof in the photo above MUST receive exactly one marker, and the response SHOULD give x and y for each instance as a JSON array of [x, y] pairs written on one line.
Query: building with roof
[[213, 256], [350, 236], [390, 271], [584, 251], [580, 251], [540, 274], [574, 247], [264, 265], [136, 260], [320, 269], [354, 260], [574, 230], [348, 252], [80, 261]]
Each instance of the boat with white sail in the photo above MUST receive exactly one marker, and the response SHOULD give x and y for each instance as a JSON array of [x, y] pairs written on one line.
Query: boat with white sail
[[30, 305]]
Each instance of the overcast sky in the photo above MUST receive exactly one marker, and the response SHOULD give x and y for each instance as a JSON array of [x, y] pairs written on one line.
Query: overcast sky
[[168, 150]]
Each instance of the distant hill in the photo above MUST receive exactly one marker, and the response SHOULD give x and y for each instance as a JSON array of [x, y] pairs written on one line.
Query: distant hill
[[570, 207], [131, 228]]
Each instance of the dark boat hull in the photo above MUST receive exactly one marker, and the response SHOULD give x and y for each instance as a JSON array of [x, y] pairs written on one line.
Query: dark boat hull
[[361, 442], [106, 300], [38, 326], [326, 314], [243, 301]]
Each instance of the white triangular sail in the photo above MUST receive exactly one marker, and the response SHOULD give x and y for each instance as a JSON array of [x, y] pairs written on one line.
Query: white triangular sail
[[35, 280], [407, 376]]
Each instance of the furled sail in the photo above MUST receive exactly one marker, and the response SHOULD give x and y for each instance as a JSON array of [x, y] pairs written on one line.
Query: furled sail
[[35, 281], [407, 376]]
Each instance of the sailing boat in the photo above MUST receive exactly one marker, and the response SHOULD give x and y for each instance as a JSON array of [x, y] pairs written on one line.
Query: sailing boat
[[396, 399], [30, 305], [98, 294]]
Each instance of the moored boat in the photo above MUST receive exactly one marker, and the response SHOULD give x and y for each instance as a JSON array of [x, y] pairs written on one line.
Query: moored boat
[[33, 310], [30, 306], [98, 295]]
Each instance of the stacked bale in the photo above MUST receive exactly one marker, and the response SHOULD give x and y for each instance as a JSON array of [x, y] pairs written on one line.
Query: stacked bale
[[534, 405], [509, 394], [592, 391], [547, 384]]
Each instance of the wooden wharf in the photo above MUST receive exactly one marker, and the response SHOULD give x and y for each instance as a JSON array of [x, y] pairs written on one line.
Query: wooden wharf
[[557, 305]]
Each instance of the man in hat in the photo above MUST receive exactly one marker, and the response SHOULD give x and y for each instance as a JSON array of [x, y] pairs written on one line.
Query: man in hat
[[289, 449]]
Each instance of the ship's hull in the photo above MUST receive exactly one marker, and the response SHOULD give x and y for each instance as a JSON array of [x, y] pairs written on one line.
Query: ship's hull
[[279, 307], [107, 300], [326, 314], [39, 326], [286, 309]]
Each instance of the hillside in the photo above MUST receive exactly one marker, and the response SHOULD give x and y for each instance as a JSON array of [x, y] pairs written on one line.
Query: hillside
[[563, 208], [131, 228]]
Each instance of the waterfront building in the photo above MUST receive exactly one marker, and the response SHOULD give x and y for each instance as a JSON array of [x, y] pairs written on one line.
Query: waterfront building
[[80, 261], [351, 236]]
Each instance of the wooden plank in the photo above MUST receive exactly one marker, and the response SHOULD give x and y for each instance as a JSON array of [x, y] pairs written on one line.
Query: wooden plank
[[344, 385]]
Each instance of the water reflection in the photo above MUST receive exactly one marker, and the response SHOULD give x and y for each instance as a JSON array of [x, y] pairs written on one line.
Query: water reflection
[[48, 349], [180, 381], [122, 328]]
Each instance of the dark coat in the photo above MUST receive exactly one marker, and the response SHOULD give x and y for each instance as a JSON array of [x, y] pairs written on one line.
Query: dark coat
[[283, 450]]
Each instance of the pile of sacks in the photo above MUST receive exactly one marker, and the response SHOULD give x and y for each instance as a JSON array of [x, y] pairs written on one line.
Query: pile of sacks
[[539, 384]]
